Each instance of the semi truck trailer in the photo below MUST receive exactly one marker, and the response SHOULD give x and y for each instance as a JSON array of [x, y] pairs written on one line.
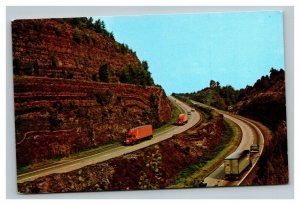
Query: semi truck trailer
[[182, 119], [236, 163], [137, 134]]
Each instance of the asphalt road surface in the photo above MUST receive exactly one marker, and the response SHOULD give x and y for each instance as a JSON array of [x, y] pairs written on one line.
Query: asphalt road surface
[[250, 134], [69, 165]]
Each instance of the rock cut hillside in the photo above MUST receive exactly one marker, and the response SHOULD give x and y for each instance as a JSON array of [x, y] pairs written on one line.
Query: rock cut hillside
[[76, 88]]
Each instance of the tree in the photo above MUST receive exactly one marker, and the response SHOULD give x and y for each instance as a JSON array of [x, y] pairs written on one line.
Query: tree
[[89, 23], [36, 67], [124, 78], [76, 36], [273, 71], [111, 35], [212, 84], [75, 21], [145, 65], [97, 26], [104, 73], [16, 66]]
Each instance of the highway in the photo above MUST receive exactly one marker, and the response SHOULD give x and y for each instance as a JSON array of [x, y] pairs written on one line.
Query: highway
[[250, 134], [73, 164]]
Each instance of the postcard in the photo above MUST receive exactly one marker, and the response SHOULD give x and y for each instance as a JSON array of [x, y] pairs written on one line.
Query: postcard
[[107, 103]]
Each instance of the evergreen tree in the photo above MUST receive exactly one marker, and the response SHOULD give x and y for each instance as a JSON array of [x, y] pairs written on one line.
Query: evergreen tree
[[124, 78], [104, 73]]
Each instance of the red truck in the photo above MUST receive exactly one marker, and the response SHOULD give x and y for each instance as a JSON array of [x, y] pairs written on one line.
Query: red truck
[[137, 134], [182, 119]]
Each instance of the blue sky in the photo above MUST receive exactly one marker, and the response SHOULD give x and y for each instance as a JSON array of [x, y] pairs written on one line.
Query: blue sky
[[185, 51]]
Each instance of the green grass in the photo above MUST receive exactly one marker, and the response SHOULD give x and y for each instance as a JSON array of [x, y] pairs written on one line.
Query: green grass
[[190, 176], [24, 168]]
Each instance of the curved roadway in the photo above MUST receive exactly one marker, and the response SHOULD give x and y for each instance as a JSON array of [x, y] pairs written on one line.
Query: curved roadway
[[62, 167], [250, 134]]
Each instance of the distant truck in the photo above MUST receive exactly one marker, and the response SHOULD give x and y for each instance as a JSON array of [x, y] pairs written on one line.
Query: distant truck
[[182, 119], [254, 148], [137, 134], [236, 163]]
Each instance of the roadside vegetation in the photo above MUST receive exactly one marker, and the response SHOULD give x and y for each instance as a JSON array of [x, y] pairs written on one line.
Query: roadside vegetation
[[194, 175]]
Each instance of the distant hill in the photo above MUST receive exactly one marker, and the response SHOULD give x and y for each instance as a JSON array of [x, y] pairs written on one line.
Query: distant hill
[[76, 88], [227, 98]]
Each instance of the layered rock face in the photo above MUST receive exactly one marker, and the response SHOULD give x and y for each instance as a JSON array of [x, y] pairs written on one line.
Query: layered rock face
[[64, 103], [51, 47]]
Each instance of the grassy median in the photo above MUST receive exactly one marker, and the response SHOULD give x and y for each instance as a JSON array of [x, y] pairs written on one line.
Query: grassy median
[[195, 174]]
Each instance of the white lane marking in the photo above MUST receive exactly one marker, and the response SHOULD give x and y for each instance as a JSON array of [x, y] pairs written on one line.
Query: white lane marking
[[74, 165]]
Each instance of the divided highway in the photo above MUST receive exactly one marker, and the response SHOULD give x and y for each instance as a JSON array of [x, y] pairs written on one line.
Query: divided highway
[[69, 165], [250, 134]]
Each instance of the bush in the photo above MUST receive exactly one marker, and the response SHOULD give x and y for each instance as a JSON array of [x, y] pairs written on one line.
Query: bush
[[53, 60], [94, 77], [28, 69], [104, 98], [16, 66], [104, 73], [124, 77], [36, 67], [76, 36], [88, 37]]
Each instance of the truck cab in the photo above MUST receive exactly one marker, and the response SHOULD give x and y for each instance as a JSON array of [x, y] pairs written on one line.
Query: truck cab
[[129, 139]]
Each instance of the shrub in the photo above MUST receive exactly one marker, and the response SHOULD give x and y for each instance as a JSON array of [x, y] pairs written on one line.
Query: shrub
[[104, 98], [104, 73], [58, 31], [124, 77], [36, 67], [53, 60], [76, 36], [16, 66], [94, 77], [28, 69], [88, 37], [54, 121]]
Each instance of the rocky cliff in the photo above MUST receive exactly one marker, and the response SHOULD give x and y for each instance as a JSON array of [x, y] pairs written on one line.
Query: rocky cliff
[[72, 95]]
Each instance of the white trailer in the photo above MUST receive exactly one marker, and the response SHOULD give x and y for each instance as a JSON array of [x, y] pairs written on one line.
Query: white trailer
[[236, 163]]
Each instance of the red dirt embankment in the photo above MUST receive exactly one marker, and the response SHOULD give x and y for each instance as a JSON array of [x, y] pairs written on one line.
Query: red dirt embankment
[[150, 168]]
